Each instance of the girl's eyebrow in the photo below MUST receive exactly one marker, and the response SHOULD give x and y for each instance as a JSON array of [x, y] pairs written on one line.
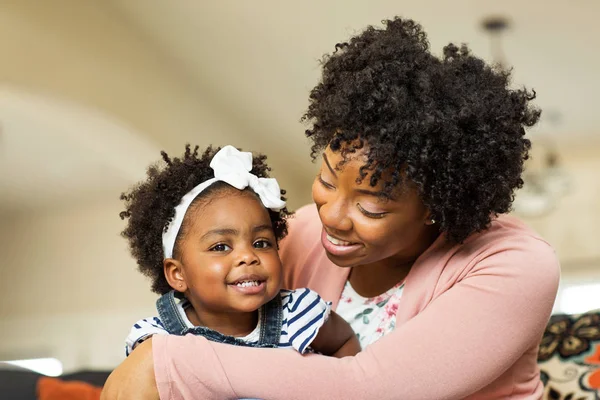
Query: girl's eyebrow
[[220, 232], [233, 232], [261, 228]]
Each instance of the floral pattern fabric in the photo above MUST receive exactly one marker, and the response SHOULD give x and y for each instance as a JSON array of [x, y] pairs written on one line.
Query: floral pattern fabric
[[569, 357], [370, 318]]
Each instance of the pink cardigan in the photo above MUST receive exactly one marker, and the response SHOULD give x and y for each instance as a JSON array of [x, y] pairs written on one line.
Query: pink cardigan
[[468, 327]]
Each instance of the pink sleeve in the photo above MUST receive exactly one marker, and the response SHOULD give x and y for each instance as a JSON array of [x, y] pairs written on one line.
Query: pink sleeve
[[303, 233], [462, 341]]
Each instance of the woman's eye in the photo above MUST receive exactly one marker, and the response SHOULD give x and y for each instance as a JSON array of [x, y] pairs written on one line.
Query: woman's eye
[[324, 183], [262, 244], [220, 247], [370, 214]]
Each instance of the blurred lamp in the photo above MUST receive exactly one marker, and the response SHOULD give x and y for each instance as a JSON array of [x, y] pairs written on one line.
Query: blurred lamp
[[44, 366], [578, 299]]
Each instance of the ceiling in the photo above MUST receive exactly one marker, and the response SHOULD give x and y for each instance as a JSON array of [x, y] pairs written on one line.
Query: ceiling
[[259, 59], [149, 74], [55, 154]]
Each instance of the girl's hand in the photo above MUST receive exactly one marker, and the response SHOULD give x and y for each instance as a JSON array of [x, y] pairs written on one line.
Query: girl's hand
[[134, 378], [336, 338]]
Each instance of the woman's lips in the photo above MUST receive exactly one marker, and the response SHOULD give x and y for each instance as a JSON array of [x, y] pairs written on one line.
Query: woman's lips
[[338, 247]]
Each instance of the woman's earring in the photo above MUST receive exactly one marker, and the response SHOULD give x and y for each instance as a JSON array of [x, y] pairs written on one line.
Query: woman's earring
[[432, 221]]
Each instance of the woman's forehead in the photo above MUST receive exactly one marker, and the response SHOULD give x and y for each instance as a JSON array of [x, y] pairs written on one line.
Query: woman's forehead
[[349, 165]]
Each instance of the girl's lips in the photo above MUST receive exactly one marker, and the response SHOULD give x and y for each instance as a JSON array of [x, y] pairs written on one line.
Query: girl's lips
[[248, 278], [338, 247], [252, 287]]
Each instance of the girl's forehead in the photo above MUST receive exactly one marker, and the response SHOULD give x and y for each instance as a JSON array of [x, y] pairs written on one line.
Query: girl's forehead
[[229, 206], [222, 195]]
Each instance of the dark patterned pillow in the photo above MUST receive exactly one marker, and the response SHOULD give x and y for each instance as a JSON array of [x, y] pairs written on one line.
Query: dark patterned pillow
[[569, 357]]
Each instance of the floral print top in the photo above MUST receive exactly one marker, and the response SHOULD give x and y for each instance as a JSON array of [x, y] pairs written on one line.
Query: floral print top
[[370, 318]]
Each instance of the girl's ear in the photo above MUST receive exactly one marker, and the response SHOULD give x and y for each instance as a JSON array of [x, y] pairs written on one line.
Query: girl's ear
[[174, 274]]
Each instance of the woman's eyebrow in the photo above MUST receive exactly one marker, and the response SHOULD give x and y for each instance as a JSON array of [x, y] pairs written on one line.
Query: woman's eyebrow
[[381, 195], [373, 193], [329, 165]]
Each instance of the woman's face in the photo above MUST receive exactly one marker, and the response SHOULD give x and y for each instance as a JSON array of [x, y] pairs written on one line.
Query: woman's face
[[361, 227]]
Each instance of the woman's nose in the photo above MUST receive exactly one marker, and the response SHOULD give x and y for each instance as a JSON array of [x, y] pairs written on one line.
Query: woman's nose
[[334, 215]]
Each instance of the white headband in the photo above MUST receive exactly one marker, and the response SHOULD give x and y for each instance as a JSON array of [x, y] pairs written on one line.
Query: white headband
[[233, 167]]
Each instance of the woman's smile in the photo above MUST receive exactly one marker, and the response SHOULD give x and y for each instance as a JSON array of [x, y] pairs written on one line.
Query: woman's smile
[[338, 247]]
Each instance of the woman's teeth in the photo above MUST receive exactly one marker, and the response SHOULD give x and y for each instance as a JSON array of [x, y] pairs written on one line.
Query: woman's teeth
[[337, 242], [247, 283]]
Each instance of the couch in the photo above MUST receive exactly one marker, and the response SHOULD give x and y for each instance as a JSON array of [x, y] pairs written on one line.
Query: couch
[[569, 357], [20, 384]]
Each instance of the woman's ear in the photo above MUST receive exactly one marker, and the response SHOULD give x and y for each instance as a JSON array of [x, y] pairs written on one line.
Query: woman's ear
[[429, 218], [174, 274]]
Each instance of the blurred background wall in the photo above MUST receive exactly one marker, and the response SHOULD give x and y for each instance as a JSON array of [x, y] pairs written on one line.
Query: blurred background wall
[[91, 91]]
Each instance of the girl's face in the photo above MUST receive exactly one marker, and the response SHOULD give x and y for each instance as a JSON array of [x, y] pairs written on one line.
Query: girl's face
[[229, 258], [360, 227]]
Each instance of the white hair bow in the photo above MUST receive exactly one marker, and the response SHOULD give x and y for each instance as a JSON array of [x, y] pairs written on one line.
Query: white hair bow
[[233, 167]]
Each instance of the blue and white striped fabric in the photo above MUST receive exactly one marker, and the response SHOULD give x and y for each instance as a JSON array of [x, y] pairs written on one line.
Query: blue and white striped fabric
[[303, 311]]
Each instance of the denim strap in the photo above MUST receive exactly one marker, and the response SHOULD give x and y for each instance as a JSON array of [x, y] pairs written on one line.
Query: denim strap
[[168, 314], [270, 323], [271, 320]]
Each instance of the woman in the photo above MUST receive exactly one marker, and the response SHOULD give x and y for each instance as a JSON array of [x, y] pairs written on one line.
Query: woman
[[421, 155]]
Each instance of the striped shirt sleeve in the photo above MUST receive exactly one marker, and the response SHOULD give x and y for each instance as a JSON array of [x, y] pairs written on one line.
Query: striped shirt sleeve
[[304, 312], [141, 331]]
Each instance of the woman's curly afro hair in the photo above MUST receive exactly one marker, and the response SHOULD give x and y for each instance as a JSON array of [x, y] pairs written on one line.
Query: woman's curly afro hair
[[150, 206], [452, 125]]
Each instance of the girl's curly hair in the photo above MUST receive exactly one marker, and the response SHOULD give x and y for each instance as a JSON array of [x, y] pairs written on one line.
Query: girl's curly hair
[[150, 206], [452, 125]]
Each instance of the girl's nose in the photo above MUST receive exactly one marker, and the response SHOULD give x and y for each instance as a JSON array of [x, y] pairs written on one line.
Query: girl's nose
[[246, 256]]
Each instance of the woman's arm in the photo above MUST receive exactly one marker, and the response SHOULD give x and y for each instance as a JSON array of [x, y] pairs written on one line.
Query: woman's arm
[[134, 378], [336, 338], [461, 342]]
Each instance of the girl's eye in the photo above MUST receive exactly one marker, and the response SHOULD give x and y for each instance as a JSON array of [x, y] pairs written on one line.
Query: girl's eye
[[370, 214], [262, 244], [220, 247], [326, 184]]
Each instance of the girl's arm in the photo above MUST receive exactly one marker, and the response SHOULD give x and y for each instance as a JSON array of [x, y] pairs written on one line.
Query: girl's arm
[[336, 338]]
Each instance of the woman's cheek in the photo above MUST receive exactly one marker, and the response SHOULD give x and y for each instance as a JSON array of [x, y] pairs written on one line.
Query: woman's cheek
[[375, 232], [318, 193]]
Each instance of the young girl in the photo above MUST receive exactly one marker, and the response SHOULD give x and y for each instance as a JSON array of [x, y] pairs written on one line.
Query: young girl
[[206, 231]]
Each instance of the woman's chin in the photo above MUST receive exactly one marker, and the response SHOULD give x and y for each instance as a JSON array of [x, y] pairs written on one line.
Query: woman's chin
[[343, 262]]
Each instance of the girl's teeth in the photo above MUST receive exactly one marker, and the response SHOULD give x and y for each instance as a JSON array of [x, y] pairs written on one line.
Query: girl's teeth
[[338, 242], [248, 283]]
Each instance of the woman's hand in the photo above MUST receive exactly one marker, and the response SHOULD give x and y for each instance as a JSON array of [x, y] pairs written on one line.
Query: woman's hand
[[134, 378]]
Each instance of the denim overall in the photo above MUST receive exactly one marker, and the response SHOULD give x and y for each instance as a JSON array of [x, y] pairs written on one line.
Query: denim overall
[[270, 322]]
